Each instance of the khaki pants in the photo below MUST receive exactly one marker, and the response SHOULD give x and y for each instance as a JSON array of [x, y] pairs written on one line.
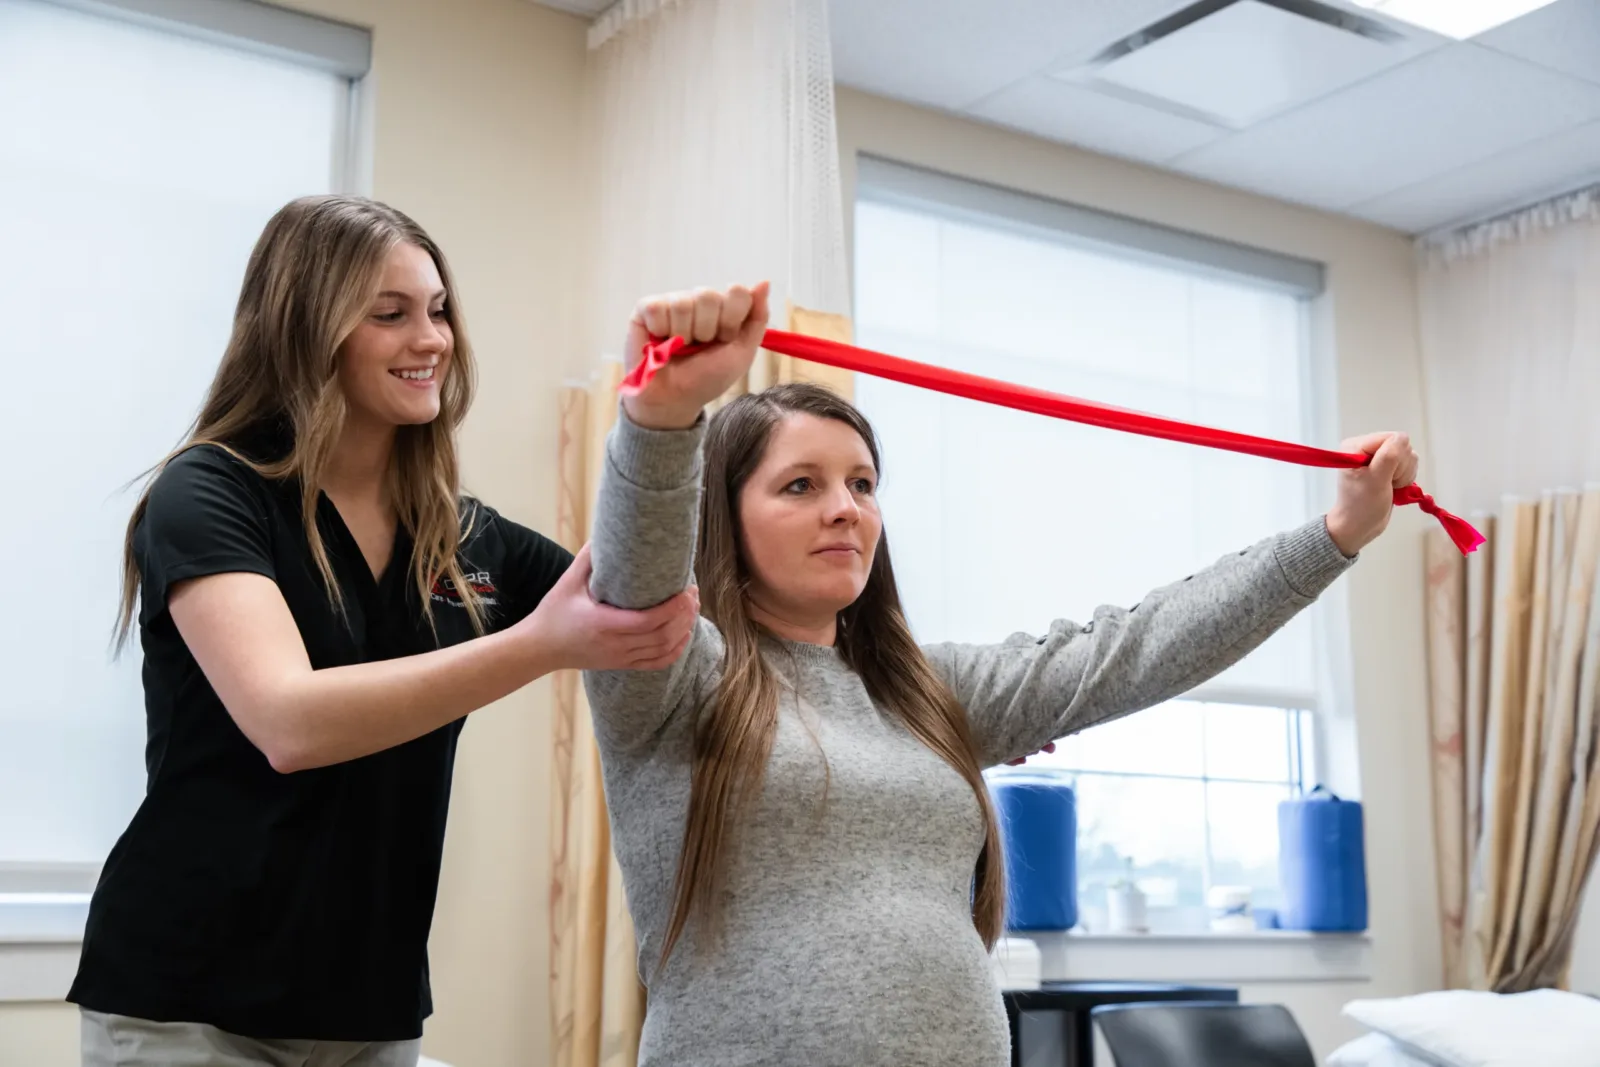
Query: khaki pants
[[118, 1041]]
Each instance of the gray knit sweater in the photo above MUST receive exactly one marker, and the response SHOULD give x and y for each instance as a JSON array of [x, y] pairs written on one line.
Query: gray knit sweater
[[846, 934]]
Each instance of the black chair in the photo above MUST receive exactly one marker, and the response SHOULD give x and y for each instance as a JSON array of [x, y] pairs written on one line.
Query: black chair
[[1203, 1035]]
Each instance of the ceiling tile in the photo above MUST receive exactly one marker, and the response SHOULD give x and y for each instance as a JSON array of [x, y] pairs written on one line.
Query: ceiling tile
[[952, 53], [1047, 107], [1553, 165], [1564, 36], [1440, 112]]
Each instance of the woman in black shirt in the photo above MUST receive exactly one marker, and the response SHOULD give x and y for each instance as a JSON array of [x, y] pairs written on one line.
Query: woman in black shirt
[[319, 608]]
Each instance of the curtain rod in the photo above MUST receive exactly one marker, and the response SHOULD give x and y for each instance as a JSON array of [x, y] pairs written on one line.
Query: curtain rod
[[1442, 246], [614, 19]]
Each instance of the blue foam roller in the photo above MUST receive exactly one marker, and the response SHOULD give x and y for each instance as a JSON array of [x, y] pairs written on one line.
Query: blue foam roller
[[1322, 870], [1038, 816]]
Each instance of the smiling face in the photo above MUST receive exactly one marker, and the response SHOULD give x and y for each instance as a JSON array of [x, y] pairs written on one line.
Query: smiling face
[[394, 363], [809, 520]]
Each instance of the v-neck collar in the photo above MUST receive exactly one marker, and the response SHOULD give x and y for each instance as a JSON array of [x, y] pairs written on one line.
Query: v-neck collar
[[398, 548]]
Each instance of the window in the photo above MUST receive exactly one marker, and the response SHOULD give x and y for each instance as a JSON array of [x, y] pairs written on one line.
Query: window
[[1002, 521], [1186, 794], [139, 162]]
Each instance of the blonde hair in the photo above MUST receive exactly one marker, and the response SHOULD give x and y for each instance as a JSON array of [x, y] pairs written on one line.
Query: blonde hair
[[736, 727], [311, 279]]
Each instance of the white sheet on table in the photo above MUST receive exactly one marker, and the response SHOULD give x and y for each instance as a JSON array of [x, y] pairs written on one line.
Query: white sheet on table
[[1374, 1050], [1463, 1028]]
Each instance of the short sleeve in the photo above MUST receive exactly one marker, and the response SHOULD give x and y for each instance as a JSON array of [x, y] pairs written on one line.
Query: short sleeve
[[206, 514], [529, 565]]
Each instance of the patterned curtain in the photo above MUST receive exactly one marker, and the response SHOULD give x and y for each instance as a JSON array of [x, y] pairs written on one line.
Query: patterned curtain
[[596, 998], [1514, 673]]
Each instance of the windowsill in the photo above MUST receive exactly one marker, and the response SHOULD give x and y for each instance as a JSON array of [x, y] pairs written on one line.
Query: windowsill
[[1267, 956], [41, 936]]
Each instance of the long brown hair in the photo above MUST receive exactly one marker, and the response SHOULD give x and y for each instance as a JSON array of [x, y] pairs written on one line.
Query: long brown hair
[[310, 281], [736, 727]]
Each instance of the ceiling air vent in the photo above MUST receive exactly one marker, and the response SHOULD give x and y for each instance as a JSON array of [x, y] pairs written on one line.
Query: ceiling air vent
[[1235, 62]]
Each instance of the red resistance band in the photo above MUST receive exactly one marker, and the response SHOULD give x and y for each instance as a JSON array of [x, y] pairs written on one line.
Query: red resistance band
[[1056, 405]]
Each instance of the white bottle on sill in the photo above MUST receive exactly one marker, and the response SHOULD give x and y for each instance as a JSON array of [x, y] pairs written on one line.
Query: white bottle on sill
[[1125, 906], [1230, 909]]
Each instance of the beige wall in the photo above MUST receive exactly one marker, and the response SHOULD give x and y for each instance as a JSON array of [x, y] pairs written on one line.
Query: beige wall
[[1368, 321], [478, 136]]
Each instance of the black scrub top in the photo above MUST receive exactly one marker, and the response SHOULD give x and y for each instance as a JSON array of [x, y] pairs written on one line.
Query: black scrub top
[[291, 906]]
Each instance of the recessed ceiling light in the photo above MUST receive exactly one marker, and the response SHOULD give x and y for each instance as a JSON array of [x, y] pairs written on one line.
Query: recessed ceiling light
[[1455, 18]]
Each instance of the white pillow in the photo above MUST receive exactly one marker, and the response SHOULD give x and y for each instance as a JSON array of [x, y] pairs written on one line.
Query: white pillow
[[1374, 1050], [1458, 1028]]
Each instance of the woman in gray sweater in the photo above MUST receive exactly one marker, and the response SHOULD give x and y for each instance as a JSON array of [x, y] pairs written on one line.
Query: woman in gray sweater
[[809, 853]]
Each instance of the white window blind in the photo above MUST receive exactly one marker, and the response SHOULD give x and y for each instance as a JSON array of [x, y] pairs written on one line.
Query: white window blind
[[1001, 521], [137, 167]]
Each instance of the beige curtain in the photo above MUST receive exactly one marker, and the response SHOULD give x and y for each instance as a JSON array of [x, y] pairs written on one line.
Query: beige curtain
[[596, 998], [1514, 661]]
